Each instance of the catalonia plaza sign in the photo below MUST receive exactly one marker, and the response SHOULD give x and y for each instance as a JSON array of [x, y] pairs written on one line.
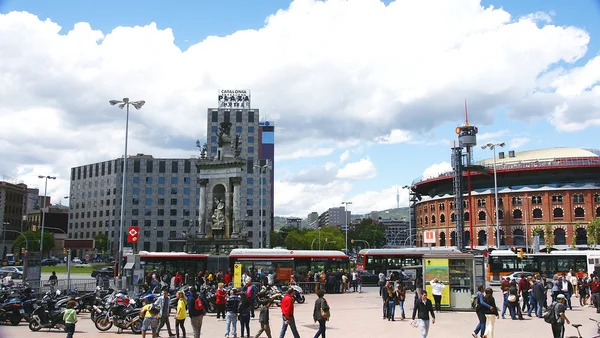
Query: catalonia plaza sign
[[234, 98]]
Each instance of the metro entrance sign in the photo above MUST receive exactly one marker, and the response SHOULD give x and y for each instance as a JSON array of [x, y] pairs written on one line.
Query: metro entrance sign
[[429, 237], [133, 234]]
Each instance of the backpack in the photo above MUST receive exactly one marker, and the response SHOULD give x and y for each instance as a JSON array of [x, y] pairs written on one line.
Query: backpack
[[198, 304], [550, 315], [325, 314], [154, 309], [474, 301]]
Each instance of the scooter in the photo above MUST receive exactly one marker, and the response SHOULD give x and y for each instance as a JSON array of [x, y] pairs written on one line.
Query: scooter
[[46, 316], [299, 294], [11, 311]]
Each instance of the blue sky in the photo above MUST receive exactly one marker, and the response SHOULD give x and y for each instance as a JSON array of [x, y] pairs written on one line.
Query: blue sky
[[395, 164]]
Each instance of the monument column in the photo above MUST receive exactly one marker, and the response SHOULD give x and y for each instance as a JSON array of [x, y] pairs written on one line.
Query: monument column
[[202, 206], [236, 219]]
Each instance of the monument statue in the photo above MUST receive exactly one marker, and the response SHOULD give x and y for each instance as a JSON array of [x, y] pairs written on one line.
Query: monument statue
[[236, 146], [218, 216]]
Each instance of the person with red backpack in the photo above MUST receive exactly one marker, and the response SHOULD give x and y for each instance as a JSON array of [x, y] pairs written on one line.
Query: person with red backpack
[[197, 309]]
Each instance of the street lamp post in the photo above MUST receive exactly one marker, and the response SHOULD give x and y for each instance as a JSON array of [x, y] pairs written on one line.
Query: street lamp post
[[493, 146], [346, 215], [4, 225], [262, 169], [68, 256], [137, 105], [409, 212], [407, 239], [44, 210]]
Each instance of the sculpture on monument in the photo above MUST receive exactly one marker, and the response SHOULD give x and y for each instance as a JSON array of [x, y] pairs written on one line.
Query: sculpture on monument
[[236, 146], [218, 216]]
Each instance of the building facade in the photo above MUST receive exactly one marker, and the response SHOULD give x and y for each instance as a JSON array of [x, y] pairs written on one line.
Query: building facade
[[555, 187], [12, 205], [335, 216]]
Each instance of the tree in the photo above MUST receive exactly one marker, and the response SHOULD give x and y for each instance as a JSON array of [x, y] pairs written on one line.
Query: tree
[[548, 236], [274, 239], [593, 232], [33, 241], [101, 242], [367, 230]]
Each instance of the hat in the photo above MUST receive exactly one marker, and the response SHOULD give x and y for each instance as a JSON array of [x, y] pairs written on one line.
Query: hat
[[234, 290], [561, 296]]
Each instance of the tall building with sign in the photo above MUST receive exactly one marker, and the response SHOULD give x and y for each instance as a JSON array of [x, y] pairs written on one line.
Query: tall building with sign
[[257, 148]]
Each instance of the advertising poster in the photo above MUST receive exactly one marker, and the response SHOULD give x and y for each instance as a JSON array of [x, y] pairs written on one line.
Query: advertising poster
[[438, 268], [237, 275]]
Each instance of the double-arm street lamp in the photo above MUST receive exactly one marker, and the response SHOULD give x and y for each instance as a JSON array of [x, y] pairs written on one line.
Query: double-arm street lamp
[[137, 105], [493, 146], [346, 216], [409, 210], [44, 209], [262, 170]]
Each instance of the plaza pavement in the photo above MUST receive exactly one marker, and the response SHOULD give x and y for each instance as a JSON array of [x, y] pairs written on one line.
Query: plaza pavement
[[352, 315]]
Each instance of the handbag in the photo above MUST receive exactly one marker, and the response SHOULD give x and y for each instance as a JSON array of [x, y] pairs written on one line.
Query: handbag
[[324, 309], [512, 298]]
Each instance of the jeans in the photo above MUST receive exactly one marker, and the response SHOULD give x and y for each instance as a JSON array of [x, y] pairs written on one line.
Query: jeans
[[568, 296], [505, 304], [163, 321], [424, 325], [401, 306], [245, 323], [321, 331], [595, 301], [196, 325], [481, 325], [230, 320], [540, 305], [292, 324], [438, 302], [525, 296], [70, 328], [391, 309]]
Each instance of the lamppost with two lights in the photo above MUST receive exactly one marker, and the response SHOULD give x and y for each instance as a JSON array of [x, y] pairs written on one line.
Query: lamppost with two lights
[[493, 146], [44, 205]]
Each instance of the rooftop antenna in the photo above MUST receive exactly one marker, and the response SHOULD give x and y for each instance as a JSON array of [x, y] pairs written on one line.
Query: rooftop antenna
[[397, 197], [466, 114]]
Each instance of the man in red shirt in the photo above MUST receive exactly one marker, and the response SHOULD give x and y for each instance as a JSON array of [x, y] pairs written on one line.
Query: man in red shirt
[[227, 277], [287, 311], [595, 288]]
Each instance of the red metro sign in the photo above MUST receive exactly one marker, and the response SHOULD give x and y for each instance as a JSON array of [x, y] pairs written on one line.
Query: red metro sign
[[133, 234]]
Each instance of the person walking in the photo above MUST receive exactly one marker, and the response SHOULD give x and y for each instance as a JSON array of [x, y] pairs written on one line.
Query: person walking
[[70, 318], [558, 325], [150, 314], [250, 291], [391, 302], [321, 313], [491, 313], [52, 280], [196, 305], [220, 297], [164, 304], [401, 297], [524, 287], [181, 313], [244, 314], [436, 290], [480, 307], [287, 312], [423, 308], [232, 305], [263, 319]]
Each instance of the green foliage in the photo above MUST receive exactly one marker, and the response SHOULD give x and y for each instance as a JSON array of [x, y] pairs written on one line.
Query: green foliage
[[368, 231], [101, 242], [593, 232], [33, 241], [548, 236], [574, 243], [537, 231]]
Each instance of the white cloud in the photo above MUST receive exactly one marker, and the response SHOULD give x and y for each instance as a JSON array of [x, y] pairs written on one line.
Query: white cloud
[[55, 87], [363, 169], [436, 169], [344, 156], [518, 142], [492, 136], [378, 200]]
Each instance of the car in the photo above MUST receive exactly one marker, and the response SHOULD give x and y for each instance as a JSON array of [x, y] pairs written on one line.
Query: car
[[105, 271], [518, 275], [50, 262], [76, 260], [368, 278], [17, 272]]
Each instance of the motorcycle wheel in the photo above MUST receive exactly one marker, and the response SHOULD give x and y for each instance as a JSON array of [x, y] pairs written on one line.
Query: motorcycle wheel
[[301, 300], [93, 315], [15, 320], [102, 323], [256, 305], [34, 325], [212, 308], [136, 326]]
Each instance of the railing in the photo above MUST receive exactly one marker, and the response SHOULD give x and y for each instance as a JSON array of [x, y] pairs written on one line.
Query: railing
[[82, 285]]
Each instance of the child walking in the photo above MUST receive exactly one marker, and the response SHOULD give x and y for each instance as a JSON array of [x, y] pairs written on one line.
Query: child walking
[[263, 320], [70, 318]]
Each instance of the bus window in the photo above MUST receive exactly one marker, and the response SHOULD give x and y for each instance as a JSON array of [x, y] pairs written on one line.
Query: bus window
[[360, 259], [411, 261], [527, 264], [580, 264], [564, 264]]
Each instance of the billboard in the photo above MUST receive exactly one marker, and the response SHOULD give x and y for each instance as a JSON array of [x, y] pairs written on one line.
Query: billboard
[[234, 98]]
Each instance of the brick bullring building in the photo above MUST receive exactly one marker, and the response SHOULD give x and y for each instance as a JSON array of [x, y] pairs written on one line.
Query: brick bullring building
[[556, 186]]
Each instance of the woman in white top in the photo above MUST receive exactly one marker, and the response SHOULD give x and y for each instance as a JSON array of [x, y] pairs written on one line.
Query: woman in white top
[[436, 290]]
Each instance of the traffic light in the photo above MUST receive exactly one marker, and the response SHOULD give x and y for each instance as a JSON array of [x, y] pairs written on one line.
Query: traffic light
[[521, 254], [22, 250], [352, 241]]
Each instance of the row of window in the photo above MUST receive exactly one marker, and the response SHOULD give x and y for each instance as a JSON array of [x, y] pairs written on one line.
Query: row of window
[[214, 118], [518, 237]]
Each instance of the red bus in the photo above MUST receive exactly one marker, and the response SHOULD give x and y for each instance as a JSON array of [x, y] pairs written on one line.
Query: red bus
[[173, 262]]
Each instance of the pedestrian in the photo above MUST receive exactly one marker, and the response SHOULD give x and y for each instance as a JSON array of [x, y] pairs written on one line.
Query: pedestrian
[[250, 291], [524, 291], [70, 318], [385, 297], [321, 313], [150, 314], [244, 314], [287, 312], [480, 309], [436, 290], [220, 297], [491, 313], [423, 308], [52, 280], [391, 310], [164, 304], [196, 305], [558, 324], [401, 297], [595, 290], [263, 320], [381, 283], [181, 313], [232, 305]]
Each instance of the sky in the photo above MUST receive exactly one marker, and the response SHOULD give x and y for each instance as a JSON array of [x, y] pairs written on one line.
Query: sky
[[365, 95]]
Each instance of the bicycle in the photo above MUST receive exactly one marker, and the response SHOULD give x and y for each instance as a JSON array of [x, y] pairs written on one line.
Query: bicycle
[[577, 326]]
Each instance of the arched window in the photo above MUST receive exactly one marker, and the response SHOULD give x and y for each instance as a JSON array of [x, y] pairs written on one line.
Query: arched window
[[518, 237], [579, 212], [453, 217], [598, 212], [559, 236], [517, 214], [541, 235], [481, 215], [558, 213], [442, 218], [466, 219], [581, 237], [500, 214], [453, 238], [426, 220], [502, 237], [443, 239], [432, 219], [467, 238], [481, 238], [537, 213], [421, 220]]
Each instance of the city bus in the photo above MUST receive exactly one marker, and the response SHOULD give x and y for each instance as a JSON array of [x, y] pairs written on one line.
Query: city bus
[[504, 262], [283, 262], [173, 262]]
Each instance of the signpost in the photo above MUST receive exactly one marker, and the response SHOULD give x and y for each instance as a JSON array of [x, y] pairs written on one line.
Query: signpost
[[234, 98], [429, 237], [133, 234]]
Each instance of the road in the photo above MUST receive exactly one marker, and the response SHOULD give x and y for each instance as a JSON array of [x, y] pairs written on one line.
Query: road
[[352, 315]]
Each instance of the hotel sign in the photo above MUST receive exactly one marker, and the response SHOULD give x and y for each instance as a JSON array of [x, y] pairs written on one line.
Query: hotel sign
[[234, 98]]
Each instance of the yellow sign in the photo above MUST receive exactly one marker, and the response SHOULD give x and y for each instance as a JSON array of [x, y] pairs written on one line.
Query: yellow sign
[[438, 268], [237, 275]]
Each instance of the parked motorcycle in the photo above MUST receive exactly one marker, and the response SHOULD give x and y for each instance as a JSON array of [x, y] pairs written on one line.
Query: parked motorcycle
[[299, 294], [47, 316], [11, 311], [120, 313]]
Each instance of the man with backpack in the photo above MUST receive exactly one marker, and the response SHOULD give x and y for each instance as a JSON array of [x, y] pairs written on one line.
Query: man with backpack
[[556, 316], [150, 314], [197, 309]]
